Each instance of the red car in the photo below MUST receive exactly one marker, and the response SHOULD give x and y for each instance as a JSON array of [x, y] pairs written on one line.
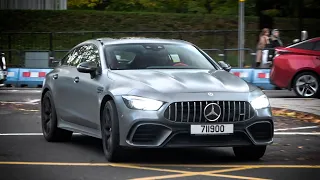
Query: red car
[[297, 67]]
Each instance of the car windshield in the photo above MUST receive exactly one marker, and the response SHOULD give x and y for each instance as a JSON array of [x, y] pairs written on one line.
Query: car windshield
[[156, 56]]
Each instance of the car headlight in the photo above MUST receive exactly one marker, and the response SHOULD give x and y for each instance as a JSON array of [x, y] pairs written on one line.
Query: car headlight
[[140, 103], [260, 102]]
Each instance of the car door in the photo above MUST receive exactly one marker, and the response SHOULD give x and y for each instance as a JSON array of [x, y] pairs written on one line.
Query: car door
[[316, 50], [316, 57], [84, 90], [61, 86]]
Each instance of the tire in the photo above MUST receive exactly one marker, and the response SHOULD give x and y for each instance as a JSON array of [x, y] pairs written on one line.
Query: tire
[[310, 80], [110, 140], [253, 153], [49, 121]]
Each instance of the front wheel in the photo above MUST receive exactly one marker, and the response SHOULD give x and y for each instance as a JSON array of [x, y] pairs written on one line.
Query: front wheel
[[250, 152], [49, 121], [306, 85], [110, 132]]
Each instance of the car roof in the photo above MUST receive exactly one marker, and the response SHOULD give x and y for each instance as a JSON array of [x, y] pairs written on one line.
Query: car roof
[[301, 42], [129, 40]]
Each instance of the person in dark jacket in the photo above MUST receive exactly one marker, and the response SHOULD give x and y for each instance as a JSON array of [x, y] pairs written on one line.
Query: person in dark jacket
[[275, 41]]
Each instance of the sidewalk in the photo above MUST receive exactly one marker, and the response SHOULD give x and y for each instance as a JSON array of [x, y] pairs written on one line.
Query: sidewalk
[[298, 104]]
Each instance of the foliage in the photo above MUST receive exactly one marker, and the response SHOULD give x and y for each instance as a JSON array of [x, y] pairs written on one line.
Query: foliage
[[83, 4], [274, 8]]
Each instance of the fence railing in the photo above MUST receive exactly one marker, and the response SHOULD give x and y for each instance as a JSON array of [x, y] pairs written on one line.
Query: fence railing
[[18, 57], [220, 39], [212, 40]]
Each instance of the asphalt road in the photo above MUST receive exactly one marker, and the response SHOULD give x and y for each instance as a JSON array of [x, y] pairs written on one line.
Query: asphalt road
[[25, 155]]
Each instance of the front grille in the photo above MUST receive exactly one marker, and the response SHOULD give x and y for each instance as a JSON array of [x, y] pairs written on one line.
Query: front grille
[[193, 112]]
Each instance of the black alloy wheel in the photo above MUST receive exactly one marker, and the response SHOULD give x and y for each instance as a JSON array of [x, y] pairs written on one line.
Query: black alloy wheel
[[49, 121], [110, 133]]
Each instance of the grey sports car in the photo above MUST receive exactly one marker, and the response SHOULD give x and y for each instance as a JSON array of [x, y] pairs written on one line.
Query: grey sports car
[[153, 93]]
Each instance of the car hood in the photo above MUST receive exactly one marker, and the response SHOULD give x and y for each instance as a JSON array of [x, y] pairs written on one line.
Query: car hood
[[180, 80]]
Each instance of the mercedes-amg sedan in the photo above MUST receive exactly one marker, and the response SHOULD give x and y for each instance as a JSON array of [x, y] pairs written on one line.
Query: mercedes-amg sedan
[[153, 93]]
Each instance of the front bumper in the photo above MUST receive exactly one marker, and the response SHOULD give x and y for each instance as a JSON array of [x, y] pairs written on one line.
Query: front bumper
[[149, 129]]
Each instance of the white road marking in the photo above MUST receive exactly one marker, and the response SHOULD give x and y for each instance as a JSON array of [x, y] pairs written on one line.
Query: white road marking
[[276, 133], [27, 134], [298, 133], [297, 128], [34, 100], [9, 102], [19, 91]]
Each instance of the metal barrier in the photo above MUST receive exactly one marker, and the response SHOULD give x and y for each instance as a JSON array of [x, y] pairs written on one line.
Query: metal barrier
[[24, 77]]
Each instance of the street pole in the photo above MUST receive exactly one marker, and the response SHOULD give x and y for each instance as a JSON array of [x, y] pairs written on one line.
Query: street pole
[[241, 34]]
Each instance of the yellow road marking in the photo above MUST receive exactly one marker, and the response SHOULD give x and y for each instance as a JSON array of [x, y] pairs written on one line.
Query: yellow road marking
[[230, 166], [150, 168], [206, 173], [214, 173], [159, 165], [236, 177], [171, 176], [53, 163]]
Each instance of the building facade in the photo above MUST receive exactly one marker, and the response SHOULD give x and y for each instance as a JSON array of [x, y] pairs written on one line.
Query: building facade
[[33, 4]]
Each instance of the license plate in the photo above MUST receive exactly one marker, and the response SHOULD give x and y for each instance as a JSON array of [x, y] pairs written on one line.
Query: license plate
[[212, 129]]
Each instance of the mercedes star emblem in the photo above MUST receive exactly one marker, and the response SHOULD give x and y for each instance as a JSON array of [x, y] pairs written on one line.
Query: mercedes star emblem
[[212, 112], [210, 94]]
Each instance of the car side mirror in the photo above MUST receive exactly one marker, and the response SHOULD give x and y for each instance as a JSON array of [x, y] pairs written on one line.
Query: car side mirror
[[225, 66], [87, 67]]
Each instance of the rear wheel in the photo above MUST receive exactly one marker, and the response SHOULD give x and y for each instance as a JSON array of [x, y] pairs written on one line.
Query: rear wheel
[[249, 152], [306, 85], [110, 133], [49, 121]]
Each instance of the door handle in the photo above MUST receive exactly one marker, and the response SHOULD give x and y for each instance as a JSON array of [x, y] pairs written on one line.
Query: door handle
[[76, 79], [55, 76]]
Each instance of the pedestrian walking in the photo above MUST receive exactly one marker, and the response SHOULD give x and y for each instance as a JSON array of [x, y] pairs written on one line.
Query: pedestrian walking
[[264, 42]]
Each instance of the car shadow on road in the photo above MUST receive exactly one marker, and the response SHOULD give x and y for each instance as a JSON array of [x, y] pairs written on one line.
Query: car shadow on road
[[162, 156]]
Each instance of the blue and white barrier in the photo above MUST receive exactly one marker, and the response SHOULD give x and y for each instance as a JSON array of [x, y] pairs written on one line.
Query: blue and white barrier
[[23, 77], [261, 77], [32, 77]]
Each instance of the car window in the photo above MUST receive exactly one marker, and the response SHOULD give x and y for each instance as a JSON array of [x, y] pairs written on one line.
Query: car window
[[68, 58], [83, 53], [317, 46], [306, 45], [156, 55], [88, 53], [124, 56]]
